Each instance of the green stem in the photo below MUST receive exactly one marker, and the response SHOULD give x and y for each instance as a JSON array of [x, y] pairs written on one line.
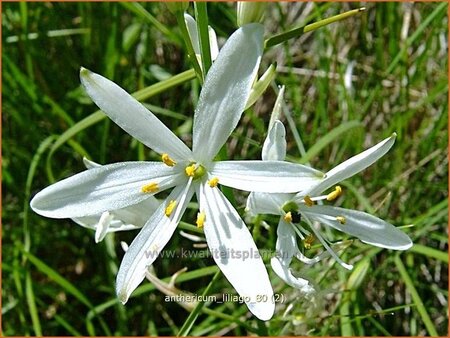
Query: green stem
[[201, 16], [296, 32]]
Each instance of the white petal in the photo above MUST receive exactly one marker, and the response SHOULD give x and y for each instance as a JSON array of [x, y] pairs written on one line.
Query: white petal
[[90, 164], [284, 272], [235, 252], [147, 245], [213, 43], [274, 147], [191, 26], [103, 226], [265, 176], [353, 165], [129, 218], [265, 203], [367, 228], [105, 188], [132, 116], [226, 90], [286, 246]]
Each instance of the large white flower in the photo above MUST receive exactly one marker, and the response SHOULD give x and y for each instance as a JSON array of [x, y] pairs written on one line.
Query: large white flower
[[303, 206], [115, 186]]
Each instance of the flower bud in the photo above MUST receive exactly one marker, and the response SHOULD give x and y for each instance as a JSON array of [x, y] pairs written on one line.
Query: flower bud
[[177, 6], [249, 11]]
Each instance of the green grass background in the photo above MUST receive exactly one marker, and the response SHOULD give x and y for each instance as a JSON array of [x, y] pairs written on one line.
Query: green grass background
[[57, 281]]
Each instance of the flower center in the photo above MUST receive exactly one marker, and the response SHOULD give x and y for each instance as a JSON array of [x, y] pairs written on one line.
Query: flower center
[[195, 170]]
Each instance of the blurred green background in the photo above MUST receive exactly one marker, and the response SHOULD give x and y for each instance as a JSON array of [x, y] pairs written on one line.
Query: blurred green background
[[348, 86]]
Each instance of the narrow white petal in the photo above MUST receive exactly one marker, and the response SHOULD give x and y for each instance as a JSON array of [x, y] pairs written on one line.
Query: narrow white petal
[[226, 90], [106, 188], [265, 176], [103, 226], [129, 218], [235, 252], [191, 26], [367, 228], [214, 46], [90, 164], [353, 165], [286, 246], [265, 203], [147, 245], [132, 116], [274, 147], [284, 272]]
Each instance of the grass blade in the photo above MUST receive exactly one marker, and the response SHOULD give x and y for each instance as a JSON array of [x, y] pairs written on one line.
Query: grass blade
[[32, 306], [329, 138], [189, 323], [415, 295]]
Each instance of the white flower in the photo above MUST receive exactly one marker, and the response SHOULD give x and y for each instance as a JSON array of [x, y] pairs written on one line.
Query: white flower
[[128, 218], [115, 186], [303, 206]]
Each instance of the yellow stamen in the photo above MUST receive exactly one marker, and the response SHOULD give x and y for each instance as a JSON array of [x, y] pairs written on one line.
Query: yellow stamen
[[150, 187], [288, 217], [167, 160], [341, 219], [335, 194], [200, 219], [170, 207], [308, 201], [308, 241], [190, 170], [213, 182]]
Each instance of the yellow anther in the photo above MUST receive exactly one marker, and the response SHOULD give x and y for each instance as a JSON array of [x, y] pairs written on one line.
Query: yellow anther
[[200, 219], [341, 219], [190, 170], [167, 160], [150, 187], [308, 241], [335, 194], [308, 201], [288, 217], [213, 182], [170, 207]]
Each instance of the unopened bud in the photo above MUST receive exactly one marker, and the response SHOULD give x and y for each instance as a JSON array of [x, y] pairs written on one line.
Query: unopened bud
[[249, 11]]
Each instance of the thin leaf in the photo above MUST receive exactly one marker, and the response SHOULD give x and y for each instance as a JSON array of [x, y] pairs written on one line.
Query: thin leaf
[[189, 322], [416, 297]]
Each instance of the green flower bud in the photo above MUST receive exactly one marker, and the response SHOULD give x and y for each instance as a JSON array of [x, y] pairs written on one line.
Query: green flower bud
[[177, 6], [249, 11]]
